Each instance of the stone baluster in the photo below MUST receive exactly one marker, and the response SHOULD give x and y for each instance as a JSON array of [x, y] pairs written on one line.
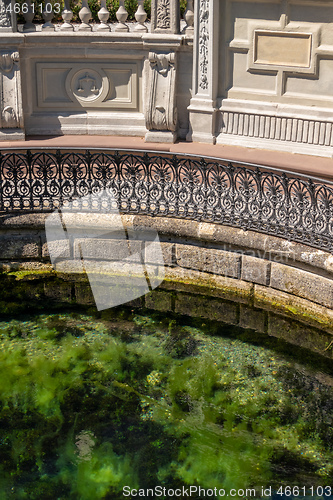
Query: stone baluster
[[28, 16], [67, 15], [103, 16], [48, 16], [85, 16], [189, 17], [121, 16], [140, 17]]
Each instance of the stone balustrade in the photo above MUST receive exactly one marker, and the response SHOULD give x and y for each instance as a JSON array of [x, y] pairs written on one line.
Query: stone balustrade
[[165, 18]]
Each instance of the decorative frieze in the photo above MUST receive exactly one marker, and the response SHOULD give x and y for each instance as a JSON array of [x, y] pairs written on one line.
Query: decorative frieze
[[161, 108], [289, 129], [73, 86]]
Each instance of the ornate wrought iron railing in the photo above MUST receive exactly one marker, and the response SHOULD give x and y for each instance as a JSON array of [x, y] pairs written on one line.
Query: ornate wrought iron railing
[[205, 189]]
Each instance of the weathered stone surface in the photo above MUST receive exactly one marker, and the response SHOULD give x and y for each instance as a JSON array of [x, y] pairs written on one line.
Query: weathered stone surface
[[108, 249], [103, 268], [208, 260], [35, 290], [152, 255], [19, 221], [136, 303], [299, 334], [61, 248], [203, 307], [252, 318], [167, 226], [61, 292], [293, 307], [255, 270], [302, 284], [17, 247], [83, 294], [179, 278], [159, 300], [32, 266]]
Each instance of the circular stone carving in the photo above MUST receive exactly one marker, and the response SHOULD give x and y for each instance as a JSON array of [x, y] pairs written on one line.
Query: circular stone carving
[[87, 85]]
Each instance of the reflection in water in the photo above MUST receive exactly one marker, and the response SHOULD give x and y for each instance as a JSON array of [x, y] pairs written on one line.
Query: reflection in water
[[93, 402]]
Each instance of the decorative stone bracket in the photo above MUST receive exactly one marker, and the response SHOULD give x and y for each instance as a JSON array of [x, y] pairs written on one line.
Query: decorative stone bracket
[[11, 112], [161, 113]]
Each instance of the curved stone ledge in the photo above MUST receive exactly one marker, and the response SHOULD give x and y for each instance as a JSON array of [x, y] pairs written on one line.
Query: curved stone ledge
[[201, 295], [243, 266], [213, 235]]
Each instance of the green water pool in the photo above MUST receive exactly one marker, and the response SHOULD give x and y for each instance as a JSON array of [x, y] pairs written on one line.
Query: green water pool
[[92, 403]]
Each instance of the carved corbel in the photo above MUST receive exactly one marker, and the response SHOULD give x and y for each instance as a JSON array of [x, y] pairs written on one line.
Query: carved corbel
[[161, 112], [8, 60]]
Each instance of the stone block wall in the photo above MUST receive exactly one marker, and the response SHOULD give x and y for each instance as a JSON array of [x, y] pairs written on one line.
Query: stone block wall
[[227, 261], [212, 272]]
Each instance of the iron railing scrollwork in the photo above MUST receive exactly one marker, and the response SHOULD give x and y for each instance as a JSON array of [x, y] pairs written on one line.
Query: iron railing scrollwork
[[251, 197]]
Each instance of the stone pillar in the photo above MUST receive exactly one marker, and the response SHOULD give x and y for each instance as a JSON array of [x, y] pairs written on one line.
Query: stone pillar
[[165, 16], [161, 115], [7, 19], [11, 112], [202, 108]]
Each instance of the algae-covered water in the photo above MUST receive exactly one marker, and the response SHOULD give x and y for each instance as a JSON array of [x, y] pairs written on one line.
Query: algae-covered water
[[92, 403]]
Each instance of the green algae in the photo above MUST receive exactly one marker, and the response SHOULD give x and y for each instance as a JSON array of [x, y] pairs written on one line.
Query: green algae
[[89, 404]]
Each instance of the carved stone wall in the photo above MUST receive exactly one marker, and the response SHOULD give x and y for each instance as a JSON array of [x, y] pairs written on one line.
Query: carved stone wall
[[11, 113], [263, 74], [161, 116], [275, 74], [101, 84]]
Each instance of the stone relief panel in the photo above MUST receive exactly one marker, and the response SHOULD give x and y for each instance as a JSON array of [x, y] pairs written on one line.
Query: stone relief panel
[[87, 86], [84, 85], [7, 16], [165, 16], [203, 44], [11, 115], [161, 106]]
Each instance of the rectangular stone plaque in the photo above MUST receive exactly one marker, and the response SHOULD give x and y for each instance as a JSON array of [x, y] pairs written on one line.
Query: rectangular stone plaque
[[72, 86], [282, 49]]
